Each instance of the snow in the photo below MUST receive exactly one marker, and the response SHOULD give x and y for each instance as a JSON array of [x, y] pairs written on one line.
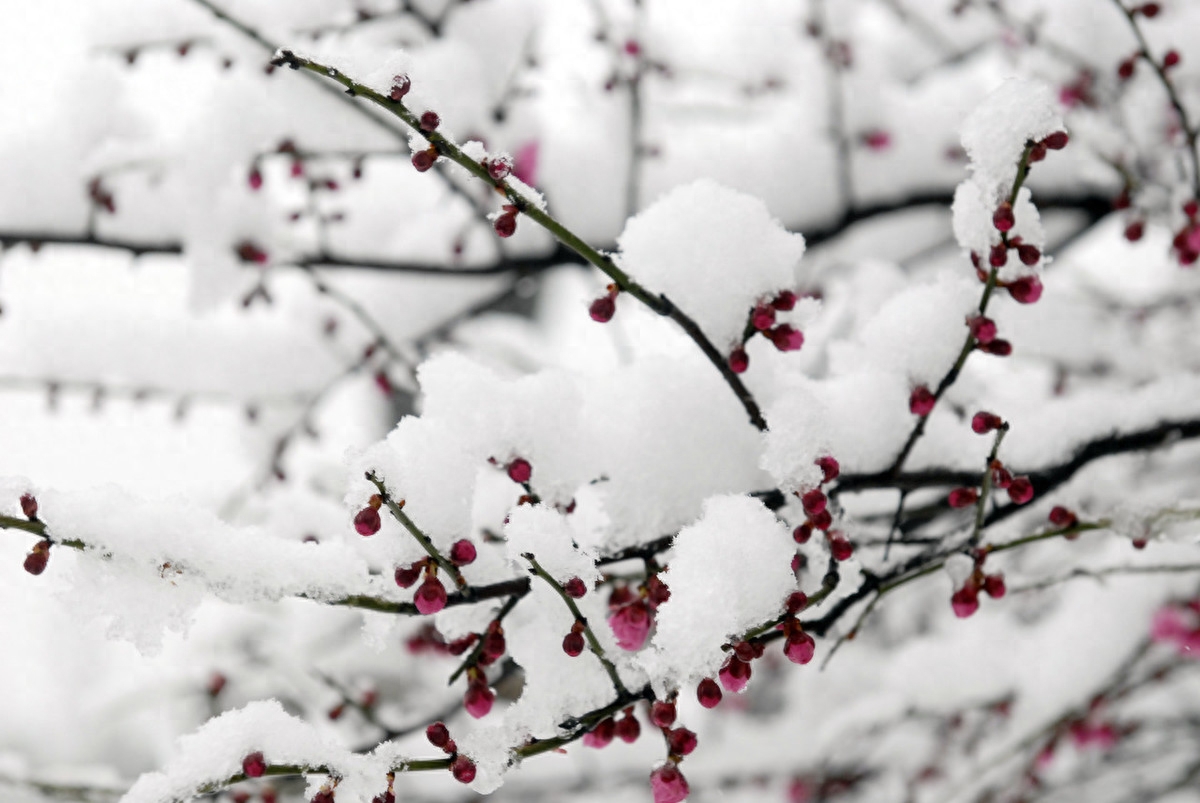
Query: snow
[[713, 251], [735, 539]]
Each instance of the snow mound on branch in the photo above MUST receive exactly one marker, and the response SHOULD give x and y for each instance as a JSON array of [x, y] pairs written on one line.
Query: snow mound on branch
[[215, 752], [731, 571], [550, 538], [714, 252], [994, 135], [148, 565], [798, 425]]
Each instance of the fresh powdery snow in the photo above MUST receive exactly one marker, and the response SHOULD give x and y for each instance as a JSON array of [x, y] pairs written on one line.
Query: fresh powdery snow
[[994, 135], [714, 252], [549, 536], [215, 752], [731, 571]]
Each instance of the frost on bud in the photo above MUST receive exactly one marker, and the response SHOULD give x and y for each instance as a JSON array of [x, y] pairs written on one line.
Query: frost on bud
[[430, 121], [366, 521], [463, 769], [573, 644], [520, 470], [739, 361], [662, 714], [499, 167], [668, 784], [829, 467], [1062, 517], [735, 674], [982, 328], [38, 557], [708, 693], [786, 338], [505, 225], [921, 401], [984, 422], [478, 700], [1021, 490], [1003, 218], [963, 497], [462, 553], [1026, 290], [29, 506], [965, 601], [600, 736], [681, 742], [254, 765], [400, 86], [431, 596]]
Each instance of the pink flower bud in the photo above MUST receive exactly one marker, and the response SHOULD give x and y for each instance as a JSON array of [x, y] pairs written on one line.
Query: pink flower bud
[[786, 338], [628, 729], [1057, 141], [407, 576], [1026, 290], [735, 674], [602, 309], [829, 467], [430, 596], [438, 734], [681, 742], [762, 318], [254, 765], [478, 700], [708, 693], [800, 648], [505, 225], [982, 328], [965, 602], [29, 506], [462, 553], [575, 588], [631, 625], [366, 521], [1003, 218], [785, 301], [963, 497], [1062, 517], [668, 784], [400, 86], [430, 121], [601, 735], [662, 714], [520, 471], [921, 401], [814, 502], [993, 586], [984, 422], [573, 644], [1021, 490], [840, 548], [463, 769], [38, 557], [739, 361]]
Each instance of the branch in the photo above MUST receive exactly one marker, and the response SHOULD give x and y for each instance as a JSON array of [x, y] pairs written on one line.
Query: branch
[[444, 147]]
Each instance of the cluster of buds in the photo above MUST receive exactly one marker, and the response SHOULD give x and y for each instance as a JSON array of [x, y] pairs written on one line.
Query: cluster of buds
[[603, 308], [631, 614], [1020, 489], [965, 601], [430, 597], [798, 646], [461, 767], [1187, 240], [627, 729], [818, 517], [762, 321]]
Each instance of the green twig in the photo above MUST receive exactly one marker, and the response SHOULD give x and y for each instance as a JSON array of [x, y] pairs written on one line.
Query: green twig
[[593, 643], [399, 515]]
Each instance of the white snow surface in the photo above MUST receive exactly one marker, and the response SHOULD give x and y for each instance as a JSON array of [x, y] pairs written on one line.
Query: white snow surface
[[714, 252], [730, 571]]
